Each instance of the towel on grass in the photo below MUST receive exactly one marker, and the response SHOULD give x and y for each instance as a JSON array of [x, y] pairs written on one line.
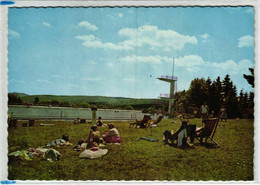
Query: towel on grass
[[148, 139]]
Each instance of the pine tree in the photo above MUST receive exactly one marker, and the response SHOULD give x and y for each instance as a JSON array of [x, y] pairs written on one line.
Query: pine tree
[[230, 97], [197, 92], [250, 78]]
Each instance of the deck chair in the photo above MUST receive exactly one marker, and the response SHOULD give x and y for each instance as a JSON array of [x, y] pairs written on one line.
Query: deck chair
[[31, 122], [156, 121], [12, 123], [207, 131], [142, 123]]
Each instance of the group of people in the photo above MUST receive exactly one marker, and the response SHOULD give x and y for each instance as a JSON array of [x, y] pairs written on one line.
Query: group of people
[[204, 109], [95, 138]]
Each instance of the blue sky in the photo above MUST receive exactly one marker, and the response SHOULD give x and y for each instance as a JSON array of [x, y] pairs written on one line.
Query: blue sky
[[121, 52]]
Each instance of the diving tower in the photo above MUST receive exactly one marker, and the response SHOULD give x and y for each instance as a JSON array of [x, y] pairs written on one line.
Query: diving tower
[[173, 88]]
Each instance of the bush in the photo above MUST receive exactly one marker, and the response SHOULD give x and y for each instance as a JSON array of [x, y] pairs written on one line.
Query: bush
[[85, 105], [129, 107]]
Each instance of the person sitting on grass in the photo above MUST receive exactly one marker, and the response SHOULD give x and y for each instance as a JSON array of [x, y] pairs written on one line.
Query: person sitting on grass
[[112, 136], [94, 137], [99, 122]]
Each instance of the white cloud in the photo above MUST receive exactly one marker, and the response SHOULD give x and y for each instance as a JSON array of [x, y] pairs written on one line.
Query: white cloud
[[110, 64], [230, 66], [204, 36], [246, 41], [91, 79], [47, 24], [189, 61], [130, 79], [92, 62], [17, 81], [110, 16], [120, 15], [87, 25], [144, 59], [154, 38], [73, 85], [149, 36], [56, 76], [13, 34], [43, 81], [194, 64], [94, 42]]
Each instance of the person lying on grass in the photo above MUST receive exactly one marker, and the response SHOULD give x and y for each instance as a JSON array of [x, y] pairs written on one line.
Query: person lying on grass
[[60, 142], [112, 136]]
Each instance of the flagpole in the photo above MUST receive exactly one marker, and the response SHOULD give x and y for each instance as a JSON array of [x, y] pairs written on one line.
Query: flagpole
[[173, 68]]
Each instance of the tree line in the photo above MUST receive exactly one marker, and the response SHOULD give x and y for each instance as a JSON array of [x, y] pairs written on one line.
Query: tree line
[[217, 94]]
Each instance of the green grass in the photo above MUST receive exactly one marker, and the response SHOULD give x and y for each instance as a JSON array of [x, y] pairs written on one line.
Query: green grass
[[137, 160]]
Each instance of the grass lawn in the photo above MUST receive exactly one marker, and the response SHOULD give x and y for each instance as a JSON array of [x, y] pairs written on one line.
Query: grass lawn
[[137, 160]]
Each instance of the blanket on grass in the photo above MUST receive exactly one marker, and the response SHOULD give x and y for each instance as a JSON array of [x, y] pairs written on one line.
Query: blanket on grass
[[93, 153]]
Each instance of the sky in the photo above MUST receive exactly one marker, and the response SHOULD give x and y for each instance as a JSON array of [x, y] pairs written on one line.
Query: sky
[[120, 52]]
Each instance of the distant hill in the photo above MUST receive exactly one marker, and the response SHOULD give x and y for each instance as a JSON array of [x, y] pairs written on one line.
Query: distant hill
[[104, 100], [18, 94]]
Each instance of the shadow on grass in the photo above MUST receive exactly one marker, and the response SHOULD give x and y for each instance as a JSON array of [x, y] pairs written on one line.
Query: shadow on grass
[[208, 145]]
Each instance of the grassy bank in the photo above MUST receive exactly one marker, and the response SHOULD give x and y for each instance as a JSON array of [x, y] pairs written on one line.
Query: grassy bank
[[137, 160]]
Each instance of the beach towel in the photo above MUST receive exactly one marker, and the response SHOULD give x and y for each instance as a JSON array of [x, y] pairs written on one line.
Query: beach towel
[[148, 139]]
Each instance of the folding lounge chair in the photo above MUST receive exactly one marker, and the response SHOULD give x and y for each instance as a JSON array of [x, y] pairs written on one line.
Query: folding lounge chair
[[208, 131], [158, 120], [31, 122], [141, 123]]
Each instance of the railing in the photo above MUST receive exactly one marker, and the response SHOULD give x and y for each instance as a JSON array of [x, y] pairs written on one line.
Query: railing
[[169, 77]]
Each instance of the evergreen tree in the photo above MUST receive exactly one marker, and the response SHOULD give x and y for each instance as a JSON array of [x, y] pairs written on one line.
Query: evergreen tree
[[36, 100], [250, 78], [215, 96], [197, 93], [14, 100], [241, 103], [251, 100], [230, 97]]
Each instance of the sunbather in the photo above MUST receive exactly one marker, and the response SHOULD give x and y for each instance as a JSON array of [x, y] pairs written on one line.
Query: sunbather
[[60, 142], [94, 137], [112, 136], [180, 135]]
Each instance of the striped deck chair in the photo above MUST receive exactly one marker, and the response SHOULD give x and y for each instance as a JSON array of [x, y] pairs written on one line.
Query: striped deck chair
[[156, 121], [142, 123], [207, 131]]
